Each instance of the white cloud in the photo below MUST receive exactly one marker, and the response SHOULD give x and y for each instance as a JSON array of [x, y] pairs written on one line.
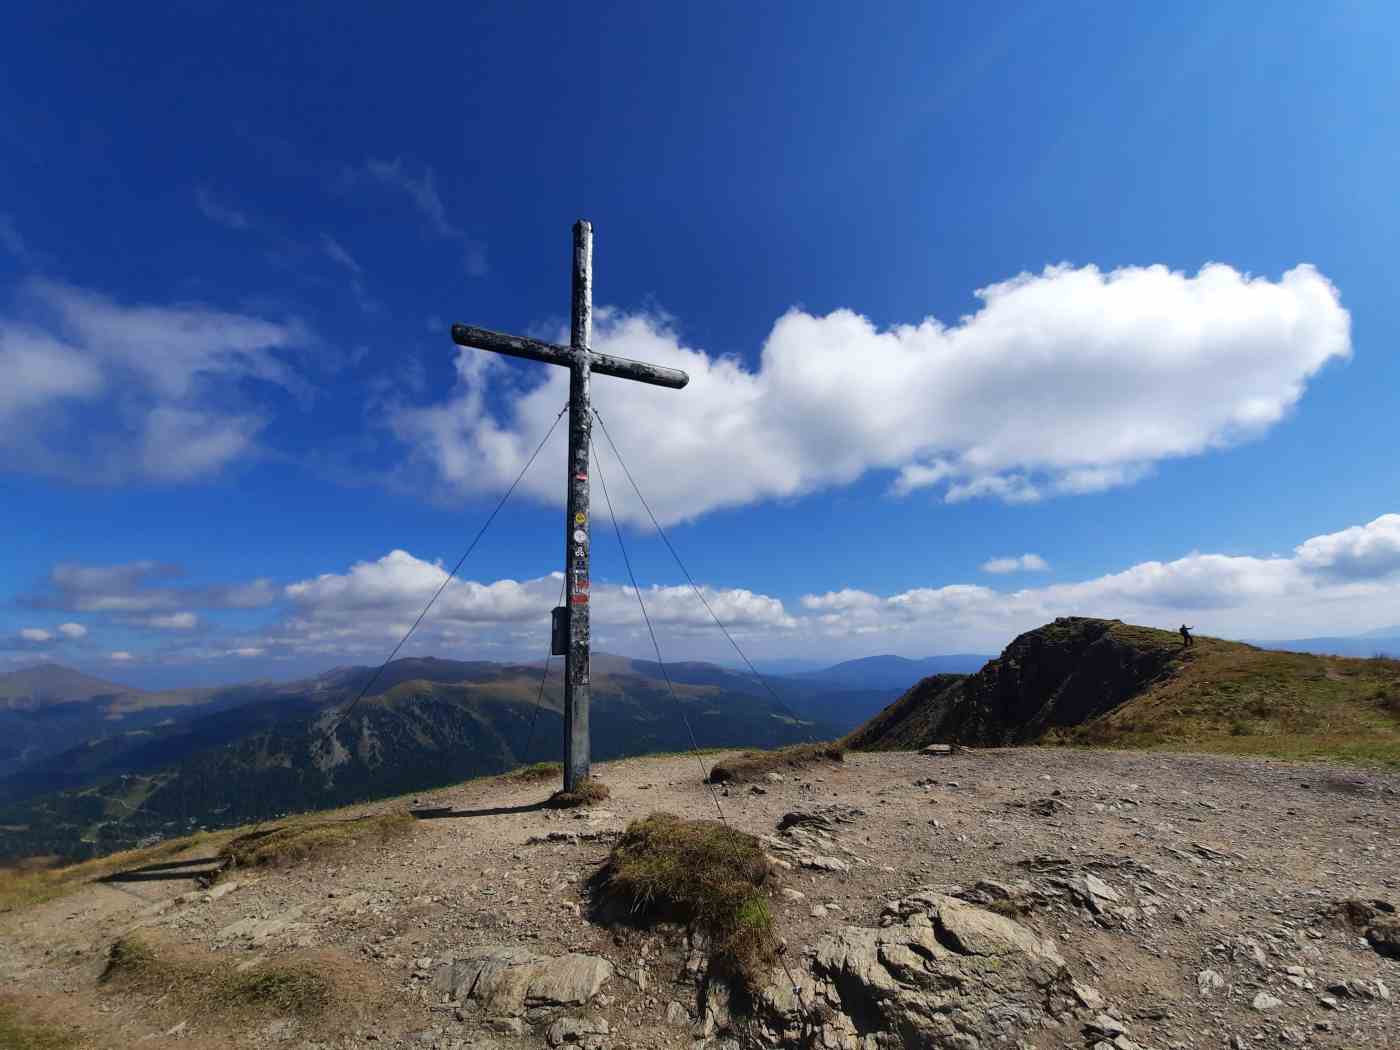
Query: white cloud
[[1025, 563], [35, 634], [110, 392], [1370, 551], [1063, 382], [72, 630], [219, 211], [361, 612], [141, 587], [1337, 584], [120, 656], [180, 621]]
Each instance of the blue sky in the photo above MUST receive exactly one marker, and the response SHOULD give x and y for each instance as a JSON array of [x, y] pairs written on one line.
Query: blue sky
[[1106, 285]]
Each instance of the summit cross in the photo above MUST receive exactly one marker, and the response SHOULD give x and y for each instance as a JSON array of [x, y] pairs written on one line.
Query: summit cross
[[581, 360]]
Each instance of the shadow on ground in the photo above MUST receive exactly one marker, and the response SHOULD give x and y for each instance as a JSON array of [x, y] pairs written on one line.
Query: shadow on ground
[[447, 812], [194, 868]]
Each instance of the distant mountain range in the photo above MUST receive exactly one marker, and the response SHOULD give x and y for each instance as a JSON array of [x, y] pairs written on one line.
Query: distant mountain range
[[89, 765], [1382, 641]]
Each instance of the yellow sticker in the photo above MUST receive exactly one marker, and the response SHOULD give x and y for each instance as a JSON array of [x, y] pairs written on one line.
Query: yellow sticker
[[580, 518]]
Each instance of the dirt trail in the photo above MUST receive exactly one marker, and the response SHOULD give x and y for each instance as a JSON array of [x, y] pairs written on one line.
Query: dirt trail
[[1219, 864]]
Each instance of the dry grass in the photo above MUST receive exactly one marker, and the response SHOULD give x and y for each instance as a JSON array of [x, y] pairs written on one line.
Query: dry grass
[[20, 1032], [533, 774], [752, 765], [703, 873], [286, 845], [36, 881], [587, 792], [300, 987]]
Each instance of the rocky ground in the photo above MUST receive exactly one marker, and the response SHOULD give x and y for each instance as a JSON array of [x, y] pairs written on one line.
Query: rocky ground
[[1020, 898]]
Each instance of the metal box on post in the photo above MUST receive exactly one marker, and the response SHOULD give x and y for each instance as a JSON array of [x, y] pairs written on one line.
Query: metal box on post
[[559, 631]]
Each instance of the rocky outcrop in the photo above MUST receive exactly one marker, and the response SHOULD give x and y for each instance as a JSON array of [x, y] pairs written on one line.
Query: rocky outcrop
[[1063, 674], [509, 981], [938, 972]]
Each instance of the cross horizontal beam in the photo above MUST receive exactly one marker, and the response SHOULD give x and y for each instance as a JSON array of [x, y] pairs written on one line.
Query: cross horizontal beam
[[549, 353]]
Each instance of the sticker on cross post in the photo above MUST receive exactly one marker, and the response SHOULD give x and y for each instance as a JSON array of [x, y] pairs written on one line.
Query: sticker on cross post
[[580, 518], [580, 599], [580, 536]]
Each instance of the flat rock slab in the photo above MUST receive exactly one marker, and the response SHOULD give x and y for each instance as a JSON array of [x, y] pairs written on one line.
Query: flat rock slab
[[507, 980], [938, 972]]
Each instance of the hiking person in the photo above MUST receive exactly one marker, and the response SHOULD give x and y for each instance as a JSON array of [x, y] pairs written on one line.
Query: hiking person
[[1186, 639]]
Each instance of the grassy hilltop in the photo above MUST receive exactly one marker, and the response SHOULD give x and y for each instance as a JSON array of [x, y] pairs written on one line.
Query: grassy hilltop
[[1112, 684]]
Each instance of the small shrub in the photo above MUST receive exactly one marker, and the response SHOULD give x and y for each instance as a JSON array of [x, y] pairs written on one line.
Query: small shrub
[[585, 793], [704, 873], [752, 765], [1239, 727]]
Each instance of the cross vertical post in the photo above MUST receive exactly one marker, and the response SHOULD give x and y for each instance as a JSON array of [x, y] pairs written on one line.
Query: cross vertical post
[[576, 521], [583, 362]]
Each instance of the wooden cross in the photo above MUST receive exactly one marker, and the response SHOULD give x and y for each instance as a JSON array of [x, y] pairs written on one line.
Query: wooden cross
[[580, 361]]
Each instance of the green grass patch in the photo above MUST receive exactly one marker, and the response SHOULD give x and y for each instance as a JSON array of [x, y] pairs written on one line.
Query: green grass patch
[[751, 766], [18, 1032], [703, 873], [286, 845]]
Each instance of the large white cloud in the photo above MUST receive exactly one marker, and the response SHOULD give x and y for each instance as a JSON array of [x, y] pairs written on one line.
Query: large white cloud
[[375, 600], [1067, 381], [97, 390]]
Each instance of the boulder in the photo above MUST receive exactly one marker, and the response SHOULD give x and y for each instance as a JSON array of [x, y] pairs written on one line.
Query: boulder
[[507, 980]]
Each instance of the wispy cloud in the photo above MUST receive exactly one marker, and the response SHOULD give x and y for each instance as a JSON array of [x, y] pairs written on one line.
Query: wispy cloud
[[102, 391], [217, 210], [421, 190], [336, 252], [11, 241], [1023, 563]]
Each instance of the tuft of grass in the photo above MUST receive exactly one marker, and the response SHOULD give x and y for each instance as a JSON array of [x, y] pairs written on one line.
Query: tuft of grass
[[533, 773], [704, 873], [585, 793], [752, 765], [296, 987], [287, 845], [20, 1033], [282, 989]]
